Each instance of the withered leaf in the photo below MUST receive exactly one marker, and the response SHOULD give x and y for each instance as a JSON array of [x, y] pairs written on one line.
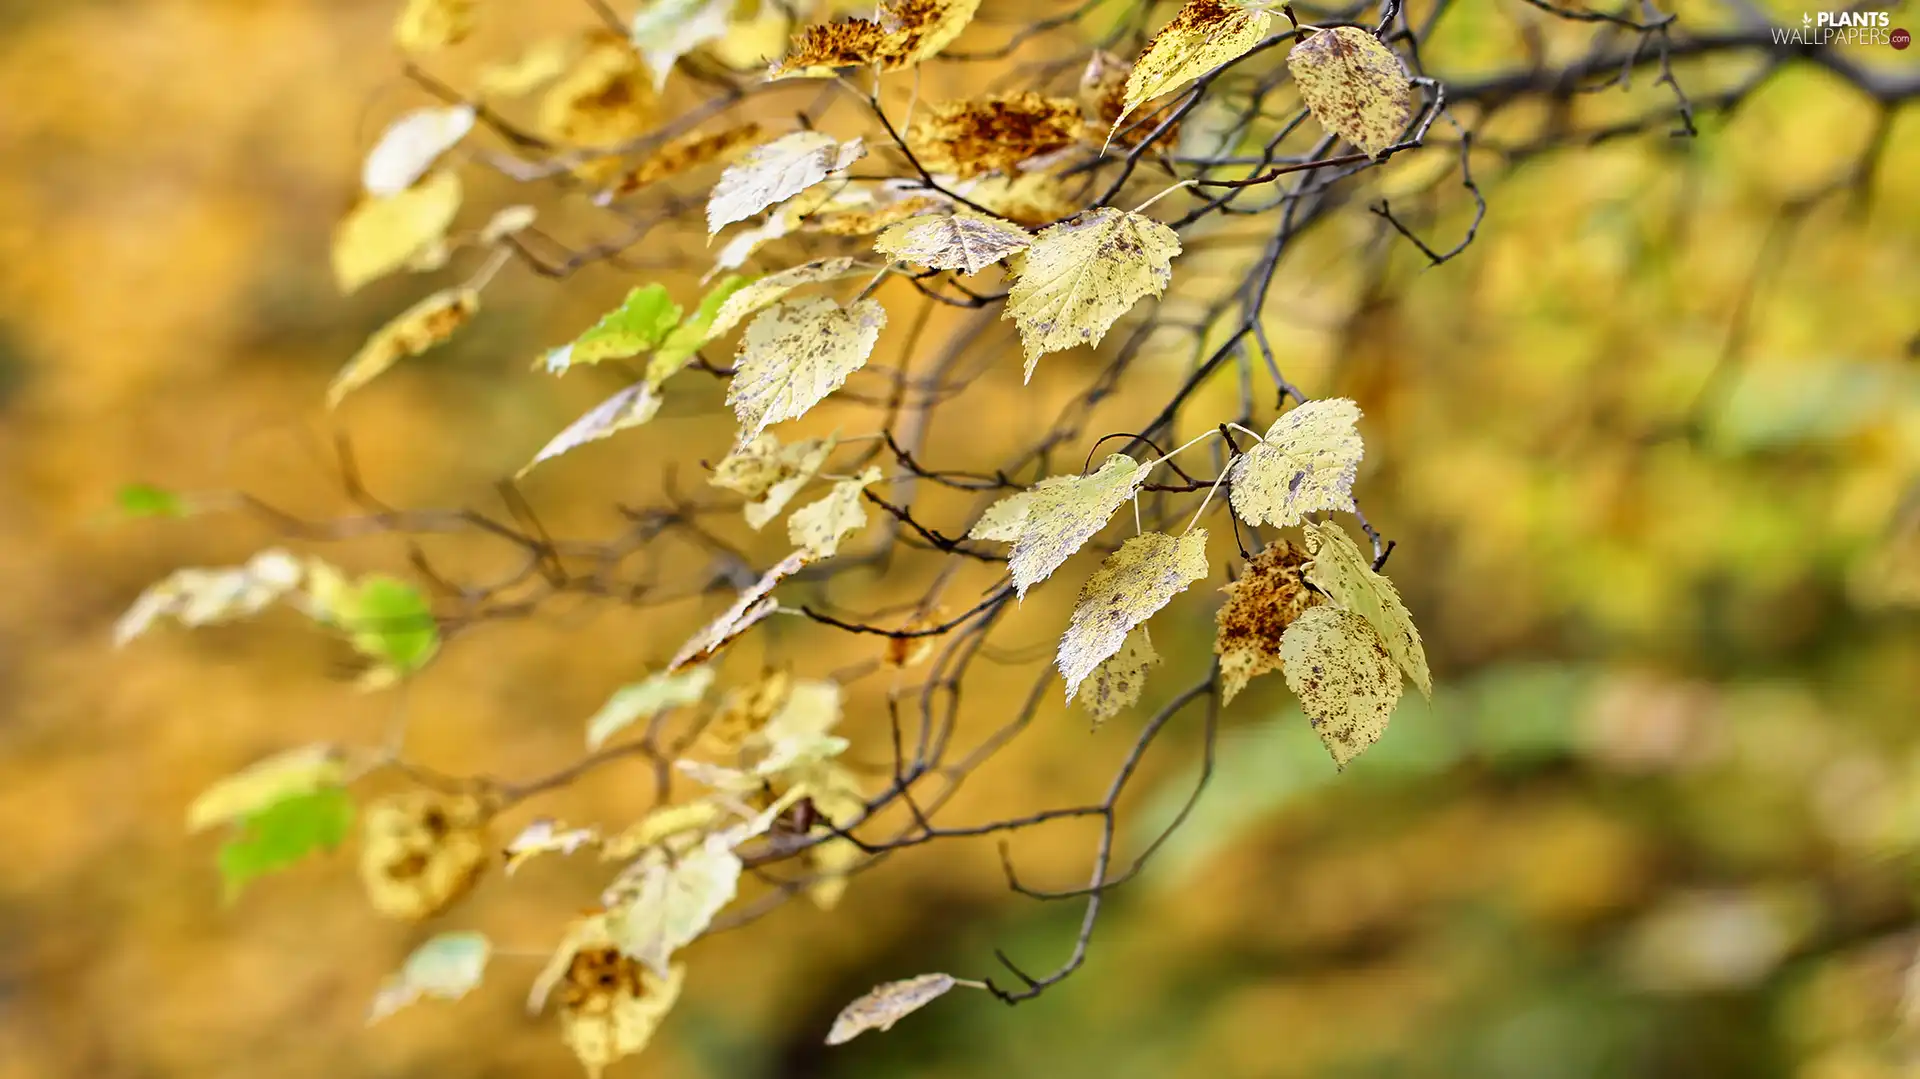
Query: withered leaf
[[775, 172], [884, 1005], [963, 241], [684, 154], [1258, 609], [1354, 85], [1346, 576], [413, 331], [818, 527], [992, 133], [753, 605], [771, 474], [796, 353], [604, 99], [1080, 276], [908, 32], [1201, 37], [423, 850], [1117, 682], [1305, 463], [1054, 518], [630, 407]]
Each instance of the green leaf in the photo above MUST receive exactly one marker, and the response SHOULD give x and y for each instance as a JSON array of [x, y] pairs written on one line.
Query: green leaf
[[390, 621], [282, 834], [447, 967], [641, 322], [146, 500], [686, 339]]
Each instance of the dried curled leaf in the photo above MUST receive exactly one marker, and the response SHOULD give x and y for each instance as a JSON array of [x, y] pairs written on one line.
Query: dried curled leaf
[[431, 25], [796, 353], [1201, 37], [818, 527], [662, 902], [609, 1004], [992, 133], [381, 235], [1304, 464], [261, 784], [1346, 575], [1258, 609], [1080, 276], [546, 836], [630, 407], [423, 850], [771, 474], [410, 146], [415, 330], [908, 32], [1347, 683], [200, 597], [775, 172], [1134, 582], [1354, 85], [1051, 520], [758, 294], [641, 322], [604, 99], [684, 154], [666, 30], [1117, 682], [753, 605], [963, 241], [644, 700], [884, 1005], [447, 966]]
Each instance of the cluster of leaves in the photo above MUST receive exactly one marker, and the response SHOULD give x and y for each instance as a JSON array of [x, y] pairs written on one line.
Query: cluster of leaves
[[983, 200]]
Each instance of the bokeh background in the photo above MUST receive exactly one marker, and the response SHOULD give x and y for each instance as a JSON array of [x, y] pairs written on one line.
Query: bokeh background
[[1661, 818]]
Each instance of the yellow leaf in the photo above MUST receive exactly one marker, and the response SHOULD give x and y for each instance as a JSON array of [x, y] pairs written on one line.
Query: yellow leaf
[[422, 850], [1347, 683], [259, 785], [505, 222], [772, 287], [609, 1004], [775, 172], [684, 154], [543, 62], [1031, 198], [883, 1006], [546, 836], [381, 235], [644, 700], [819, 527], [1304, 464], [924, 27], [666, 30], [431, 25], [796, 353], [1340, 570], [992, 133], [1354, 85], [630, 407], [661, 825], [662, 902], [199, 597], [1204, 35], [1080, 276], [413, 331], [410, 145], [1051, 520], [771, 474], [605, 99], [752, 605], [963, 241], [1115, 685], [1258, 609], [1134, 582]]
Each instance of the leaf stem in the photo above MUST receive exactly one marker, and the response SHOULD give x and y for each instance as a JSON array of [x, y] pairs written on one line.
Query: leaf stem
[[1142, 207]]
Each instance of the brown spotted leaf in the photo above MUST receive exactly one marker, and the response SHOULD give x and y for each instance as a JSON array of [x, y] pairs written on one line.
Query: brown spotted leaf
[[1346, 576], [796, 353], [992, 133], [1201, 37], [818, 527], [1258, 609], [770, 474], [883, 1006], [963, 241], [1354, 85], [1134, 582], [684, 154], [413, 331], [1304, 464], [604, 99], [1116, 683], [421, 851], [819, 50], [1080, 276], [609, 1003], [1347, 683]]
